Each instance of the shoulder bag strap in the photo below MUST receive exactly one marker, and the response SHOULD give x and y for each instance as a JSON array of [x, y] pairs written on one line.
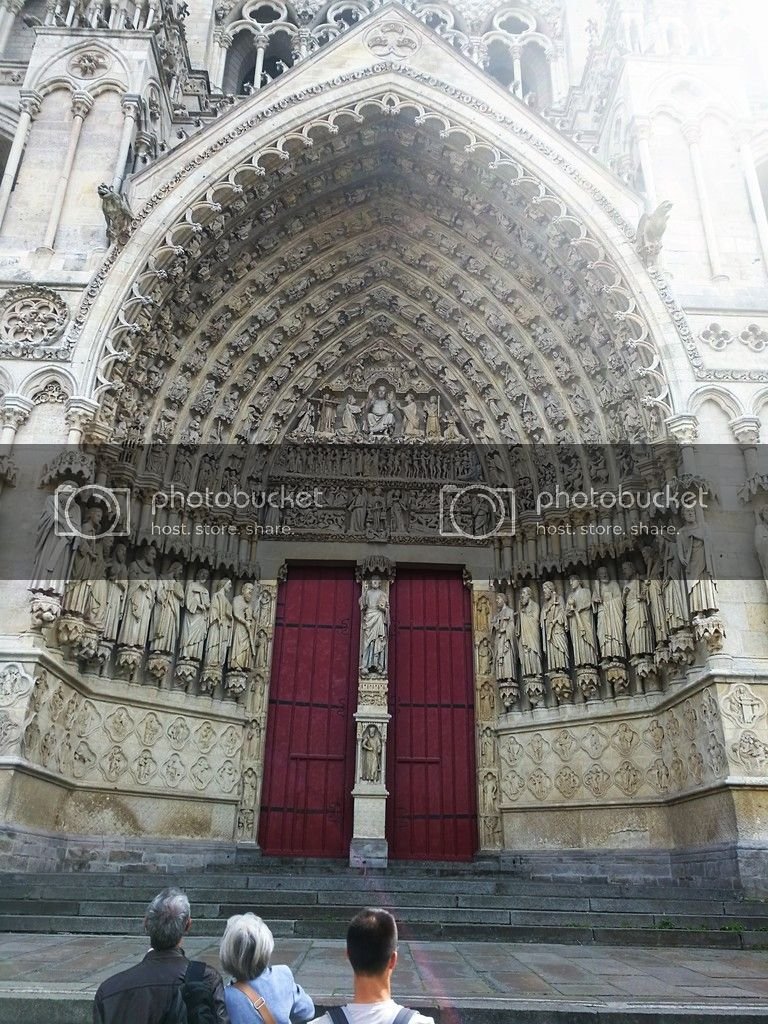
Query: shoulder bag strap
[[337, 1015], [256, 1001], [404, 1016], [195, 971]]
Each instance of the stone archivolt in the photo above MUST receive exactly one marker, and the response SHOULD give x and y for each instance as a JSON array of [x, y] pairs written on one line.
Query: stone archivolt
[[489, 289]]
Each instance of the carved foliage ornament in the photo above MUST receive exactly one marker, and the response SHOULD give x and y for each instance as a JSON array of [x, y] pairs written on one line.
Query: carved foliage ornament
[[89, 64], [32, 321]]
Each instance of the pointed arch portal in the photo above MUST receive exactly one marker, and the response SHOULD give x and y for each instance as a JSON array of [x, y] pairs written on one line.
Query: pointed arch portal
[[382, 283]]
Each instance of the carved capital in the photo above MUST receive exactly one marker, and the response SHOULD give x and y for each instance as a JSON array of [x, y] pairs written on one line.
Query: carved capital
[[746, 430], [643, 128], [80, 412], [692, 132], [684, 429], [261, 41], [81, 104], [15, 410], [131, 104], [30, 102]]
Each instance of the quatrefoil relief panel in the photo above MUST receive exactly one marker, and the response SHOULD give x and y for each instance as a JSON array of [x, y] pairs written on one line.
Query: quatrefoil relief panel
[[32, 321]]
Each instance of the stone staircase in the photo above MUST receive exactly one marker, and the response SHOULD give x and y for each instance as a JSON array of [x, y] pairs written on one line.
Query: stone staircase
[[437, 902]]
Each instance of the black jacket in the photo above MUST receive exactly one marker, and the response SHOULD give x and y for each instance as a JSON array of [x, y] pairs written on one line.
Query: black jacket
[[142, 994]]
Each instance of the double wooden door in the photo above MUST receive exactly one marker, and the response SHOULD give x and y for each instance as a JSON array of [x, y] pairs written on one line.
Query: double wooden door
[[310, 749]]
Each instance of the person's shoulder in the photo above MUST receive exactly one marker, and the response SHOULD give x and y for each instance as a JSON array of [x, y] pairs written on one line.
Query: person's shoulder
[[123, 979], [325, 1019]]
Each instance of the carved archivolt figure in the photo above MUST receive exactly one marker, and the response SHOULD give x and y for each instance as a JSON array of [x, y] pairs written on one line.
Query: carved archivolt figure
[[140, 600], [375, 609], [639, 634], [219, 626], [371, 746], [529, 633], [504, 637], [695, 558], [197, 603], [243, 654], [553, 629], [606, 598], [579, 611]]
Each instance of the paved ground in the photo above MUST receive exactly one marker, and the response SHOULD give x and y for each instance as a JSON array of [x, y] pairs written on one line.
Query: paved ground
[[526, 978]]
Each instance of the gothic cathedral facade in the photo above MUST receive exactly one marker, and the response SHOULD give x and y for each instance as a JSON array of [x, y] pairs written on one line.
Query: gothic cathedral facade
[[381, 394]]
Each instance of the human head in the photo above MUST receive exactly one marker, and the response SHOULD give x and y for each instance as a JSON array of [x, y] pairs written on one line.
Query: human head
[[548, 588], [375, 583], [574, 582], [168, 919], [372, 942], [501, 600], [246, 947], [602, 574], [247, 591], [525, 595], [202, 575]]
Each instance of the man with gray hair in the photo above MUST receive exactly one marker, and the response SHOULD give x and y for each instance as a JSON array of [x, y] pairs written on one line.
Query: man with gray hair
[[165, 988]]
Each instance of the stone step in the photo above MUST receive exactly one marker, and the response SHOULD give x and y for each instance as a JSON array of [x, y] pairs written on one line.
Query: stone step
[[149, 883], [417, 930]]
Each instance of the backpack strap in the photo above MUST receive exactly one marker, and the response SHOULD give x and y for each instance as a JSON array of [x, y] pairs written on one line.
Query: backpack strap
[[404, 1016], [337, 1015], [195, 971]]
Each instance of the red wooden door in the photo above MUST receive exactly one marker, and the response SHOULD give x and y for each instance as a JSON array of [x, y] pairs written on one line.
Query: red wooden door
[[431, 753], [309, 769]]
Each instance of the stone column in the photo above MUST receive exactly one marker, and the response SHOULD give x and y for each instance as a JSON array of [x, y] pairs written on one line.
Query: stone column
[[643, 130], [81, 104], [221, 45], [369, 846], [80, 412], [746, 433], [14, 412], [257, 703], [30, 103], [692, 134], [517, 80], [261, 42], [130, 105], [755, 195], [486, 712], [9, 9]]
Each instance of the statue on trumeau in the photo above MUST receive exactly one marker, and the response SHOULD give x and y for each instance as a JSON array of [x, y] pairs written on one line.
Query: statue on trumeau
[[374, 605], [371, 748]]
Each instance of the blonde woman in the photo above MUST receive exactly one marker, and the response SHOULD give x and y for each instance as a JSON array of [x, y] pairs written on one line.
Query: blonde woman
[[259, 992]]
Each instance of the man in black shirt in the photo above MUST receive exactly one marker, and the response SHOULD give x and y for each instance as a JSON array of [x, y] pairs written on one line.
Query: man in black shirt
[[145, 993]]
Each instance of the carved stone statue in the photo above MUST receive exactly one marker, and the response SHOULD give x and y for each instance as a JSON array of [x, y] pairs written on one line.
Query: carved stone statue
[[219, 627], [606, 598], [639, 634], [761, 541], [349, 413], [242, 656], [695, 558], [504, 641], [140, 600], [529, 633], [553, 629], [117, 214], [432, 418], [117, 586], [650, 231], [578, 608], [375, 628], [87, 593], [654, 595], [412, 419], [379, 417], [672, 589], [371, 747], [197, 604], [169, 597], [54, 553]]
